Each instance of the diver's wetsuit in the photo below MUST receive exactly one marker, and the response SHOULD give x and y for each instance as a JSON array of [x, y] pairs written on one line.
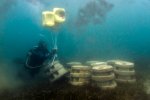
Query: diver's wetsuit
[[36, 57]]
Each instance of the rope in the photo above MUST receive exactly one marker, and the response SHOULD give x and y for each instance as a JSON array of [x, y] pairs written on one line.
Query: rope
[[52, 38], [55, 47], [55, 43]]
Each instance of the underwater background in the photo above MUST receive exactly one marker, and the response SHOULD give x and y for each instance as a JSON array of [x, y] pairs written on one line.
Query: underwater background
[[94, 30]]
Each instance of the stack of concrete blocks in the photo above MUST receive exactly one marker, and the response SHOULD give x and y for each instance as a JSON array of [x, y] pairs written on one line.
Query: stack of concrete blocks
[[70, 64], [95, 63], [103, 76], [56, 71], [124, 71], [80, 75]]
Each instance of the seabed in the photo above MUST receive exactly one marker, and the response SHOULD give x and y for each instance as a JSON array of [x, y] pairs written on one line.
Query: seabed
[[61, 90]]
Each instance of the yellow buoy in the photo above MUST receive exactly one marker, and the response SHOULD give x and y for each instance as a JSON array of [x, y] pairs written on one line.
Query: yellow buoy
[[48, 19], [59, 14]]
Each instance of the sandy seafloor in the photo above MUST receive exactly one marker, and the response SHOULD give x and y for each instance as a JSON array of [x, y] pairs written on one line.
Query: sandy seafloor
[[61, 90]]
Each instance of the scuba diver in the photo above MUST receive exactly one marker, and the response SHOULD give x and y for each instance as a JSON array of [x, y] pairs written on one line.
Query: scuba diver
[[37, 57]]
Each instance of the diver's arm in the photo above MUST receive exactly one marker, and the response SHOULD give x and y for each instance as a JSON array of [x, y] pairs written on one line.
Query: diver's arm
[[52, 53]]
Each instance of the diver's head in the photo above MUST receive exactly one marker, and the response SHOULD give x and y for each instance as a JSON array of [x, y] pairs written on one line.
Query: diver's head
[[42, 44]]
